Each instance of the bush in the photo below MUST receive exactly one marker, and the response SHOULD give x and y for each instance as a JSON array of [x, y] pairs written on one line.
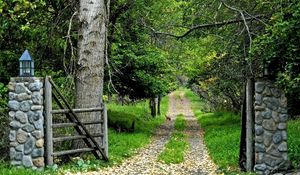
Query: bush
[[4, 122], [120, 121], [4, 142]]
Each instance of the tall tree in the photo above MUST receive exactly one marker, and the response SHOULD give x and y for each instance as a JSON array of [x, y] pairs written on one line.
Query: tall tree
[[91, 55]]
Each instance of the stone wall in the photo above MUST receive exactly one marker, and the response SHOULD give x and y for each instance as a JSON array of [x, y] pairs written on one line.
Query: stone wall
[[270, 128], [26, 122]]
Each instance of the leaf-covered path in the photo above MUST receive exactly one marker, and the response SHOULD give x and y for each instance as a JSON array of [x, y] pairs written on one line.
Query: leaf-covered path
[[197, 160]]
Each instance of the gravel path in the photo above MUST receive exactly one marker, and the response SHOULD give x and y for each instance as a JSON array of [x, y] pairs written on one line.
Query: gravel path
[[197, 160]]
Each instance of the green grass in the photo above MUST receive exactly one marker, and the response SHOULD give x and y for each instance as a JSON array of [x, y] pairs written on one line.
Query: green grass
[[180, 123], [294, 142], [6, 169], [121, 145], [222, 137], [175, 148]]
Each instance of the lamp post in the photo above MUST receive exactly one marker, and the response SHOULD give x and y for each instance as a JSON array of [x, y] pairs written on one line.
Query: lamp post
[[26, 65]]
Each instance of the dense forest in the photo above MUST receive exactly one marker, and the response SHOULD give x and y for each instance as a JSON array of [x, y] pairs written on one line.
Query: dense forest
[[152, 47]]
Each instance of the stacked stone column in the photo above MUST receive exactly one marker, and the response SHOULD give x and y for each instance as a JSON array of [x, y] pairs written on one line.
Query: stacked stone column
[[26, 122], [270, 128]]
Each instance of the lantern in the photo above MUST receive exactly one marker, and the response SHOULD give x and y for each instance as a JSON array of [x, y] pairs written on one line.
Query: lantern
[[26, 65]]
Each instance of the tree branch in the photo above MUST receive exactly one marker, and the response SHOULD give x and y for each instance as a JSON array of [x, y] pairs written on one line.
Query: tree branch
[[69, 40], [201, 26]]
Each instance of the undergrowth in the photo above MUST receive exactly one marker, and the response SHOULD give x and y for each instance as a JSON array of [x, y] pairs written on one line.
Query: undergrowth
[[294, 142]]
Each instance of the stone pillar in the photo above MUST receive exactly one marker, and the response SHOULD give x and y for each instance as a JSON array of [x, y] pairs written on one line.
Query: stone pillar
[[26, 122], [270, 128]]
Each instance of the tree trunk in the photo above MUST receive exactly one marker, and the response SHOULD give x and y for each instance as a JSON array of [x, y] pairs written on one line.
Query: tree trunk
[[158, 105], [152, 106], [90, 65], [122, 100]]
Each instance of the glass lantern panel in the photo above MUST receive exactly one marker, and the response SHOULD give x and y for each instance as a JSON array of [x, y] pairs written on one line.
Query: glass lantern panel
[[27, 68], [32, 68]]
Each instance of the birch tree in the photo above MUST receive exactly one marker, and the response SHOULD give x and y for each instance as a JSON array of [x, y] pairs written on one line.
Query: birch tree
[[91, 55]]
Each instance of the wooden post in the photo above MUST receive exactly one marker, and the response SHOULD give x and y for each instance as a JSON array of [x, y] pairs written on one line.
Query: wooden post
[[105, 131], [249, 124], [242, 157], [48, 122]]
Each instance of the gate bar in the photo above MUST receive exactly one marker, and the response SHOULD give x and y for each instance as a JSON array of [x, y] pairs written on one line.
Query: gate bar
[[63, 111], [64, 125]]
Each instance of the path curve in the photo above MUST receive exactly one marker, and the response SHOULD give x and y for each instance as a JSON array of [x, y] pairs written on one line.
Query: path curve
[[197, 160]]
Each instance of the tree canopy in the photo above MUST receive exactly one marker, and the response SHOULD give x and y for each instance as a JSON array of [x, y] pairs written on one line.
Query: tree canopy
[[215, 45]]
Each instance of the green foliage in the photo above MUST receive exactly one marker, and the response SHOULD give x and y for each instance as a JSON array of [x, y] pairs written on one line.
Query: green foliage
[[145, 68], [294, 142], [199, 105], [278, 49], [3, 95], [139, 67], [120, 120], [215, 59], [4, 142], [36, 26]]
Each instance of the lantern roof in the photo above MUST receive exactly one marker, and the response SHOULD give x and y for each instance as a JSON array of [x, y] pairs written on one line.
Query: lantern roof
[[25, 56]]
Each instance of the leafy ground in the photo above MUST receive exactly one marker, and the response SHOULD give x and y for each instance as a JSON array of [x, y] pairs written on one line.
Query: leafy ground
[[121, 145]]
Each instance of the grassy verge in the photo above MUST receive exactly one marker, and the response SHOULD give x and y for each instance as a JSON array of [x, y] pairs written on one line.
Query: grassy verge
[[294, 142], [222, 136], [121, 145], [175, 148]]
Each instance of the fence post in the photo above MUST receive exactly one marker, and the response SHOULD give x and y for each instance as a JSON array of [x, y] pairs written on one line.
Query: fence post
[[48, 122], [105, 131], [249, 124]]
